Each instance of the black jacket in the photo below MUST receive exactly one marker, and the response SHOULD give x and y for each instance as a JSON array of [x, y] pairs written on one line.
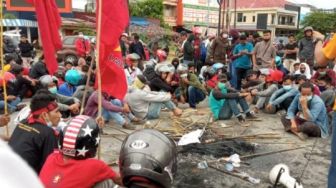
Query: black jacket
[[188, 49], [136, 47], [38, 69], [157, 84], [26, 49], [33, 142]]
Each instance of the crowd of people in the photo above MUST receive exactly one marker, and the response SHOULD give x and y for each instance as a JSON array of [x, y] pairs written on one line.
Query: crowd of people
[[241, 75]]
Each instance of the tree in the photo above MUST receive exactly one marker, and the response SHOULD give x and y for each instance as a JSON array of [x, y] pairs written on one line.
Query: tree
[[147, 8], [9, 16], [321, 21]]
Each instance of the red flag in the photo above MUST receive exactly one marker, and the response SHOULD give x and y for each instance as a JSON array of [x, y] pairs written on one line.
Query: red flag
[[114, 19], [49, 22]]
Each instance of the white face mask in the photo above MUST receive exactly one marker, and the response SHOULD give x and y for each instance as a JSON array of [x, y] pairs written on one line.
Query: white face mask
[[309, 97]]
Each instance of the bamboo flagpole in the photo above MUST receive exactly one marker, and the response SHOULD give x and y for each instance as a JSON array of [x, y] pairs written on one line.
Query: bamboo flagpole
[[98, 77], [2, 68]]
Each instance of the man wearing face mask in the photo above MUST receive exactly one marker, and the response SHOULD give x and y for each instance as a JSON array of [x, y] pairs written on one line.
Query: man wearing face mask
[[219, 48], [264, 53], [307, 115], [224, 101], [282, 98], [35, 137], [324, 71], [65, 104], [327, 92]]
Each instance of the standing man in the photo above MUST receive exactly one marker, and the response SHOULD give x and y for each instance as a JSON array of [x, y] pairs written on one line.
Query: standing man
[[83, 46], [291, 50], [323, 55], [219, 48], [306, 48], [242, 54], [264, 53], [137, 47], [26, 51], [123, 44]]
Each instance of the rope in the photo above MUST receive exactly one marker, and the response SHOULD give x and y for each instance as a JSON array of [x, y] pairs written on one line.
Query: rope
[[308, 160]]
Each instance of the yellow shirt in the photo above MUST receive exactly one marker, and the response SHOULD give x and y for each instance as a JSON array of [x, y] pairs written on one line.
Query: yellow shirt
[[330, 50]]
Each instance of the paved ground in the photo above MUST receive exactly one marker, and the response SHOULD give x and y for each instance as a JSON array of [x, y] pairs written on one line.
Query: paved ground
[[189, 175]]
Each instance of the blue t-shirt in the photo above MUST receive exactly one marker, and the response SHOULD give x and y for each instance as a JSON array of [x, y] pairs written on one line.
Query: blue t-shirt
[[244, 61]]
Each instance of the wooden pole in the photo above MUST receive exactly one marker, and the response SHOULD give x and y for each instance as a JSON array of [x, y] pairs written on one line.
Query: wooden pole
[[2, 67], [87, 85], [98, 77]]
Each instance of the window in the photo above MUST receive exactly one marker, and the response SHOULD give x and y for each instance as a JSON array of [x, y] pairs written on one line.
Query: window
[[253, 18], [69, 41], [240, 17], [244, 18], [273, 19]]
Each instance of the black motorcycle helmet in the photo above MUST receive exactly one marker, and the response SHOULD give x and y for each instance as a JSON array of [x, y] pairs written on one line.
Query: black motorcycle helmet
[[150, 155], [80, 138]]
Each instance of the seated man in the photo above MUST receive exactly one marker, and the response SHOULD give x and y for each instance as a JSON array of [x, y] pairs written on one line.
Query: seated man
[[113, 109], [148, 104], [264, 91], [132, 70], [223, 102], [158, 160], [192, 90], [72, 78], [327, 91], [281, 99], [74, 164], [159, 83], [324, 71], [307, 114], [67, 105], [300, 79], [34, 138], [252, 80]]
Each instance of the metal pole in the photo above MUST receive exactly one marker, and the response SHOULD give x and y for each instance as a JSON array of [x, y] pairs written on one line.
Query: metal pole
[[219, 15], [235, 14], [208, 19]]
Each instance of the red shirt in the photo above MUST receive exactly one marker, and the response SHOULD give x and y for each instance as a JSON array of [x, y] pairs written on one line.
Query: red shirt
[[212, 82], [83, 47], [73, 173]]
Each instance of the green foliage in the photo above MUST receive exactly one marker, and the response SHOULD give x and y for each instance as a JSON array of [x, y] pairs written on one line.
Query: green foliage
[[9, 16], [321, 21], [148, 9], [85, 30]]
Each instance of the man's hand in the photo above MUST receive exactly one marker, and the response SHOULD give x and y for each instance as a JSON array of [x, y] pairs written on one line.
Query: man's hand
[[4, 120], [254, 92], [303, 101], [294, 127], [318, 36], [74, 108], [269, 107], [243, 94], [100, 121], [11, 97], [126, 108]]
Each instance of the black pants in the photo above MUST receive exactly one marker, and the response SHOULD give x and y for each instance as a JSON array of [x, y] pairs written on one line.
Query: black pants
[[286, 103], [307, 127], [241, 74]]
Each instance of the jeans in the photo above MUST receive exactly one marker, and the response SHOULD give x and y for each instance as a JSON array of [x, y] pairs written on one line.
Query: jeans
[[231, 108], [195, 96], [187, 62], [240, 74], [282, 69], [116, 116], [154, 108], [11, 105], [332, 170]]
